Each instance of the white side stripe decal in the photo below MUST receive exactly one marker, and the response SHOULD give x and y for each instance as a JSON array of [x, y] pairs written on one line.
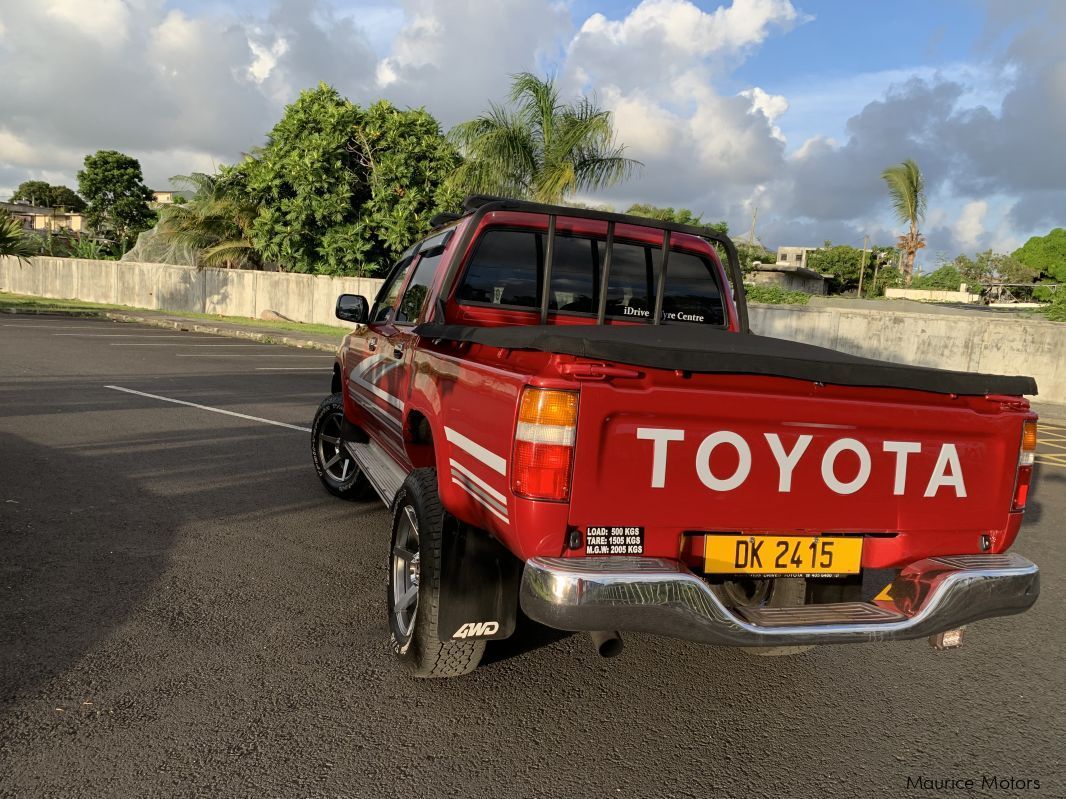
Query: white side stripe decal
[[490, 459], [358, 376], [479, 500], [492, 492], [477, 492]]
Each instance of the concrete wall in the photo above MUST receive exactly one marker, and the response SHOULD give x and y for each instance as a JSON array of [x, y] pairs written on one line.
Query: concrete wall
[[953, 340], [959, 341], [930, 295], [226, 292]]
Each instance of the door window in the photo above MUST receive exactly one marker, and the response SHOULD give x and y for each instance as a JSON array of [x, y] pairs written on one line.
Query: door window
[[414, 298], [386, 299]]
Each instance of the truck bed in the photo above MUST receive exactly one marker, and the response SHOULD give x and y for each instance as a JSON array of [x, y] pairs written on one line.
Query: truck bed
[[710, 350]]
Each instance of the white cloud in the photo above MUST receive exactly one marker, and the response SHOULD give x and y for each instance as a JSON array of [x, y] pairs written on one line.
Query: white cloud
[[770, 106], [969, 228], [455, 57], [106, 22], [186, 89]]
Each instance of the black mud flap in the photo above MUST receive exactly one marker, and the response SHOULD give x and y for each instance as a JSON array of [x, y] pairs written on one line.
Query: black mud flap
[[478, 586]]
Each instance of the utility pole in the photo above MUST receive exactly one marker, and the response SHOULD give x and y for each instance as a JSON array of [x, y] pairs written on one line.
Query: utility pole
[[862, 269], [751, 233]]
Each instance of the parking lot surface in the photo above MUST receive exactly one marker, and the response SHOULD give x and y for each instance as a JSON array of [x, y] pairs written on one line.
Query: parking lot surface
[[184, 611]]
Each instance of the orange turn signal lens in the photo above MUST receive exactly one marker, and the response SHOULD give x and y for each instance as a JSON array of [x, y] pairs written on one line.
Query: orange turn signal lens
[[548, 406], [1028, 436]]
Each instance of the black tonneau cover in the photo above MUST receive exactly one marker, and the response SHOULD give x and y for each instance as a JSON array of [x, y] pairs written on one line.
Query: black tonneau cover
[[709, 350]]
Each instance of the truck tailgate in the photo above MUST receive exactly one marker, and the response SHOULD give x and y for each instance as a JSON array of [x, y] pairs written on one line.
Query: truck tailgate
[[765, 454]]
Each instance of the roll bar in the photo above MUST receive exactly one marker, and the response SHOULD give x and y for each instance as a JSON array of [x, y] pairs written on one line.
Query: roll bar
[[478, 206]]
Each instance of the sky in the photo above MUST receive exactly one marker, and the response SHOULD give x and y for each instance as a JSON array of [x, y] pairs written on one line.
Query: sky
[[787, 110]]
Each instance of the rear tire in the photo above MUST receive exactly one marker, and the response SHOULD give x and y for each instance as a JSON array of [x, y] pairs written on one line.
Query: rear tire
[[414, 584], [336, 467]]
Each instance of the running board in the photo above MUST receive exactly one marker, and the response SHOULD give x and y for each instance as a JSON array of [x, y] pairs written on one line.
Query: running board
[[384, 474], [807, 615]]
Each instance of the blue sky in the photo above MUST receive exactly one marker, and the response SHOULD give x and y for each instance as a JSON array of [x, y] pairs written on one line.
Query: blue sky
[[792, 107]]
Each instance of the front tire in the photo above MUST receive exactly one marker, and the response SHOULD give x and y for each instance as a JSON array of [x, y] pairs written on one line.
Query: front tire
[[414, 584], [336, 467]]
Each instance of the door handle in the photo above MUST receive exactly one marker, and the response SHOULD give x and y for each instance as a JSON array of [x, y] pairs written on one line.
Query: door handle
[[372, 344], [397, 351]]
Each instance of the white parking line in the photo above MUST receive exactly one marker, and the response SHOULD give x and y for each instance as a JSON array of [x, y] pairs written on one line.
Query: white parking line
[[176, 344], [288, 368], [58, 325], [209, 408]]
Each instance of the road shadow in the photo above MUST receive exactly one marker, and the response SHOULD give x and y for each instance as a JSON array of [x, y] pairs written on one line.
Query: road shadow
[[528, 636], [90, 515]]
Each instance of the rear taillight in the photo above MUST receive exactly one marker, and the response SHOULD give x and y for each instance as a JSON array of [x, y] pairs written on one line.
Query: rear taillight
[[1026, 457], [544, 444]]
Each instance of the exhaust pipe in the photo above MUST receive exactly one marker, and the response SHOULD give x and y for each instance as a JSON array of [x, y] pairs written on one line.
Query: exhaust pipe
[[608, 643]]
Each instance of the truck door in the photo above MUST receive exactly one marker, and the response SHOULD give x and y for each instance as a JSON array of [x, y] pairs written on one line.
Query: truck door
[[369, 379], [381, 380]]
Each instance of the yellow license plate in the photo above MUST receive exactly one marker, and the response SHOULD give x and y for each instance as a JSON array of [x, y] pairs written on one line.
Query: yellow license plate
[[774, 555]]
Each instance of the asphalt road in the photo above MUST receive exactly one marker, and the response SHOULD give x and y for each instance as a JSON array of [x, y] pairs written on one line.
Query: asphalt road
[[184, 611]]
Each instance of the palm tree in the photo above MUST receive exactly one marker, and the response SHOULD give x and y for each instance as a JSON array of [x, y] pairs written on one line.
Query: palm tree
[[214, 227], [906, 187], [542, 150], [13, 241]]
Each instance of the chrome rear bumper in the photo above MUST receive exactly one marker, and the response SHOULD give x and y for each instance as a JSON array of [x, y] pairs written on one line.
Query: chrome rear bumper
[[655, 595]]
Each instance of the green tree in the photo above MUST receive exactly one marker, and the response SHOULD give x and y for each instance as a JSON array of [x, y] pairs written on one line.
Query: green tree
[[35, 192], [65, 197], [344, 190], [749, 254], [906, 187], [43, 195], [945, 278], [680, 216], [988, 268], [14, 241], [1045, 254], [842, 263], [115, 194], [543, 149], [887, 277], [212, 228]]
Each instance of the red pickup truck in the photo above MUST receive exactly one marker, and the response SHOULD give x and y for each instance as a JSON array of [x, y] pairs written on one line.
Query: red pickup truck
[[566, 412]]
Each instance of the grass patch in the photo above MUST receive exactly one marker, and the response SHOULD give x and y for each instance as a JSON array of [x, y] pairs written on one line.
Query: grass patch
[[296, 327], [25, 302]]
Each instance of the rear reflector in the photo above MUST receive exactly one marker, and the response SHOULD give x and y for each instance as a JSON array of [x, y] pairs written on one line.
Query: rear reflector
[[1021, 487], [544, 444]]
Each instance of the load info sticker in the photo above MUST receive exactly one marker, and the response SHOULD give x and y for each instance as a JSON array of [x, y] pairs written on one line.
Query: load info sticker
[[615, 541]]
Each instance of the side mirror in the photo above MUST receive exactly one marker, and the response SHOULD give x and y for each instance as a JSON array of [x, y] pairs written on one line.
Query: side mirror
[[353, 308]]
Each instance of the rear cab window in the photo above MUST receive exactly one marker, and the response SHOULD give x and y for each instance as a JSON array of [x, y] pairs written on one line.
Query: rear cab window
[[506, 270]]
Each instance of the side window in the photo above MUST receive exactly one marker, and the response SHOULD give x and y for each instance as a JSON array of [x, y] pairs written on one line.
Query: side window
[[505, 270], [414, 299], [389, 292]]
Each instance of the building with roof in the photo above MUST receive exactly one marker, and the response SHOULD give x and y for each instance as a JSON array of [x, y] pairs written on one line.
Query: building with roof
[[44, 220]]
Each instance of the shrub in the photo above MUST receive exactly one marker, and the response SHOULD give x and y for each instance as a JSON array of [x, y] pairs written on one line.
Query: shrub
[[775, 295]]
